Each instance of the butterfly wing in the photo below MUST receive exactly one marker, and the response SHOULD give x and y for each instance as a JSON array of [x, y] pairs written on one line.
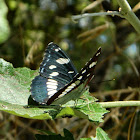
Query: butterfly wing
[[56, 71], [80, 80]]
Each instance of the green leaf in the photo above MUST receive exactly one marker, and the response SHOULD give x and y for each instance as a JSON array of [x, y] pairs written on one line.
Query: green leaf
[[15, 83], [67, 112], [67, 136], [94, 111], [100, 135], [15, 91], [91, 108], [19, 110], [4, 26]]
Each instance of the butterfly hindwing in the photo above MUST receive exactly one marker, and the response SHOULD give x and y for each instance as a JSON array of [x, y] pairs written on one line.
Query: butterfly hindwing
[[38, 89]]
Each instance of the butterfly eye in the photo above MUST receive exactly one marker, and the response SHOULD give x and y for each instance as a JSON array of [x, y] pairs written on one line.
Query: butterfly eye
[[58, 81]]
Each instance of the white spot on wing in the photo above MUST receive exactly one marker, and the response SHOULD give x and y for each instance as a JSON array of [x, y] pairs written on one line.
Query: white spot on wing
[[80, 77], [63, 93], [49, 89], [62, 60], [52, 92], [72, 86], [76, 75], [83, 71], [51, 86], [52, 67], [92, 64], [52, 81], [44, 64], [71, 72], [42, 70], [50, 43], [54, 74], [98, 54], [57, 49], [68, 89]]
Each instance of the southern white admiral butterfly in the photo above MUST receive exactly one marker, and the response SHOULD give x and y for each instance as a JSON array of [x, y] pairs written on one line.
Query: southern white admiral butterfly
[[59, 81]]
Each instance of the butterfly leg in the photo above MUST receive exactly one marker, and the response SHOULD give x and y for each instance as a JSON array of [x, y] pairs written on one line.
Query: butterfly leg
[[75, 102]]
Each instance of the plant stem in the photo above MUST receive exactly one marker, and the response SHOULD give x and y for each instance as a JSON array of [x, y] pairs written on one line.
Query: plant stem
[[119, 104], [127, 12], [112, 13]]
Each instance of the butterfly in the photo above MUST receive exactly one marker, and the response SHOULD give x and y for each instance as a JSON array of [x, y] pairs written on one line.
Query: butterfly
[[58, 81]]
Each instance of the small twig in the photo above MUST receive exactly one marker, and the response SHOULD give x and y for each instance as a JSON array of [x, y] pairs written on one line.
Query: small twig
[[119, 91], [133, 131], [128, 14], [92, 5], [111, 13], [133, 66], [136, 7], [83, 131], [119, 104]]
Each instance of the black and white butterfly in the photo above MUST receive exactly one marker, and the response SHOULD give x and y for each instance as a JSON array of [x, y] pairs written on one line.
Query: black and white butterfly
[[58, 81]]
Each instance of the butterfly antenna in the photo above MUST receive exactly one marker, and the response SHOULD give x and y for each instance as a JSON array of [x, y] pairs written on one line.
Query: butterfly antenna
[[105, 81]]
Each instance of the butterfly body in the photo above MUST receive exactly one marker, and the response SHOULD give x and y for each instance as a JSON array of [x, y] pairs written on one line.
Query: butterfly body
[[59, 81]]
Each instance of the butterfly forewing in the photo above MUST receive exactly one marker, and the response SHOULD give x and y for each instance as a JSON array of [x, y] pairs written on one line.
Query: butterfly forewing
[[55, 60]]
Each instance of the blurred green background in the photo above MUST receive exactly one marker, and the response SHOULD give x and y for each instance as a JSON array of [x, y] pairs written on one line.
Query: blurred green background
[[27, 26]]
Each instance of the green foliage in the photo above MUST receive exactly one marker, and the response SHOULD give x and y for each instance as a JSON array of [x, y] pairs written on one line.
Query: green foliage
[[15, 83], [15, 86], [4, 26], [67, 136], [100, 135]]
